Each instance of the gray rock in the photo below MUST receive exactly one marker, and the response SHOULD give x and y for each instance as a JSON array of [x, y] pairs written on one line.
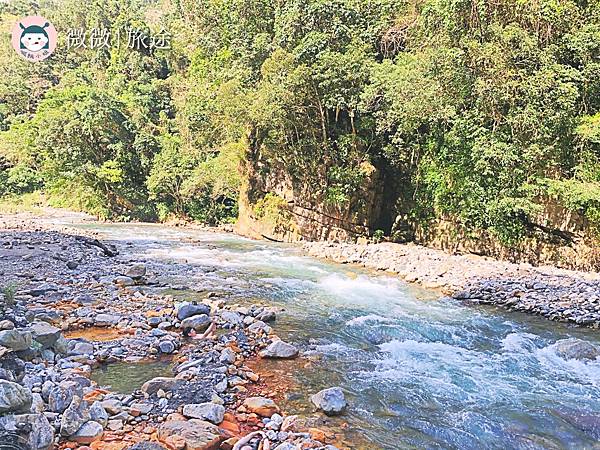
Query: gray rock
[[41, 436], [287, 446], [189, 310], [79, 348], [74, 416], [198, 323], [279, 349], [14, 397], [89, 432], [15, 339], [206, 411], [166, 347], [98, 413], [106, 320], [61, 395], [124, 281], [45, 334], [227, 356], [152, 386], [576, 349], [136, 271], [331, 401], [146, 445], [232, 317]]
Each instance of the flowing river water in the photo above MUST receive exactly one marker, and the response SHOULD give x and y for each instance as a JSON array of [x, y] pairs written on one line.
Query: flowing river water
[[419, 370]]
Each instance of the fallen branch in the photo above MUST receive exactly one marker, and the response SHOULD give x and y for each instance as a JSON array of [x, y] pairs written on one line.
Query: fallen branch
[[96, 243]]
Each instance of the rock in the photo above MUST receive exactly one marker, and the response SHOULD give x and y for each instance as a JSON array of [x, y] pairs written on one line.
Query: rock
[[136, 271], [206, 411], [72, 265], [115, 424], [268, 315], [41, 436], [279, 349], [98, 413], [152, 386], [227, 356], [146, 445], [166, 347], [287, 446], [106, 320], [576, 349], [79, 348], [331, 401], [124, 281], [89, 432], [15, 340], [258, 327], [14, 397], [61, 395], [45, 334], [199, 323], [194, 434], [190, 309], [6, 325], [231, 317], [262, 406], [74, 416]]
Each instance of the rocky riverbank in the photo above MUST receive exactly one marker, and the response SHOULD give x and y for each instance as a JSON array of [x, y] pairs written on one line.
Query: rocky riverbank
[[557, 294], [72, 304]]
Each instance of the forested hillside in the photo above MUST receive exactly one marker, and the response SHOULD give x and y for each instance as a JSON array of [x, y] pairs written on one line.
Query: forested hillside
[[386, 115]]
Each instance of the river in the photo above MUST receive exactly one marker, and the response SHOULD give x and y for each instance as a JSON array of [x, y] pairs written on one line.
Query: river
[[419, 370]]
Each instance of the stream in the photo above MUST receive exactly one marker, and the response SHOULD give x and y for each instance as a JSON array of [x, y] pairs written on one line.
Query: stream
[[419, 370]]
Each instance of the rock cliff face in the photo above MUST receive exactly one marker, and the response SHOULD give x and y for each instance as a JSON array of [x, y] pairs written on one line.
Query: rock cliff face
[[274, 206]]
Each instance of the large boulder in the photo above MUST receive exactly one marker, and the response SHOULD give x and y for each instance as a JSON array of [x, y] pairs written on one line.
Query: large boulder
[[196, 434], [14, 397], [206, 411], [331, 401], [74, 416], [190, 309], [61, 395], [576, 349], [45, 334], [280, 350], [15, 340], [199, 323], [167, 384], [262, 406], [89, 432]]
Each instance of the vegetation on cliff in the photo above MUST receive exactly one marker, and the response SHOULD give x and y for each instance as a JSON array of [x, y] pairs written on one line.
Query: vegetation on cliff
[[477, 111]]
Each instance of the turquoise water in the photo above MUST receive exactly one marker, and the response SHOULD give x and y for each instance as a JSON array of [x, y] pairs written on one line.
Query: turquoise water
[[420, 371]]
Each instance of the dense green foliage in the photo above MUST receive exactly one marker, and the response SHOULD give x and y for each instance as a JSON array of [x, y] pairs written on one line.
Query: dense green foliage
[[476, 111]]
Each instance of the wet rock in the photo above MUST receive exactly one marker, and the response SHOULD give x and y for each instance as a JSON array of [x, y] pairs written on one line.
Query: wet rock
[[258, 327], [199, 323], [262, 406], [166, 384], [268, 315], [279, 349], [136, 271], [14, 397], [576, 349], [331, 401], [206, 411], [15, 339], [190, 309], [194, 434], [89, 432], [45, 334], [74, 416]]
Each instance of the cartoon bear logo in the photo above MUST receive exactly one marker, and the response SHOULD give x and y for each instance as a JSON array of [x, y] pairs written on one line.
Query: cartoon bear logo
[[34, 38]]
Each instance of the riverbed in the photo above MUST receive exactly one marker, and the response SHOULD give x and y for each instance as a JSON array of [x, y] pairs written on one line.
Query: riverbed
[[420, 370]]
